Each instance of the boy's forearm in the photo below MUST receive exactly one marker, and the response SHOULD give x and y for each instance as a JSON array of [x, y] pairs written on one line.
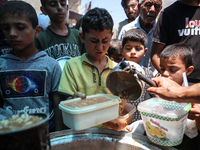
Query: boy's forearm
[[57, 98]]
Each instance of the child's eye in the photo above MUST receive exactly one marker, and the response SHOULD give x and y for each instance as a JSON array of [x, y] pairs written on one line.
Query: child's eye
[[173, 70], [63, 3], [128, 48], [20, 28], [94, 41], [105, 42], [139, 48], [5, 28], [52, 4]]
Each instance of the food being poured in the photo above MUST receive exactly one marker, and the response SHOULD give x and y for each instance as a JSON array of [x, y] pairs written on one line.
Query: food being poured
[[125, 117]]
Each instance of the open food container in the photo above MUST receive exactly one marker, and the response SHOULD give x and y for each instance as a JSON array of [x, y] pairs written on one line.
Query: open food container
[[80, 114], [123, 120], [25, 132], [164, 121]]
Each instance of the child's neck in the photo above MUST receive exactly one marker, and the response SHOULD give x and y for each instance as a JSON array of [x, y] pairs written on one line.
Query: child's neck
[[100, 64], [60, 29], [25, 55]]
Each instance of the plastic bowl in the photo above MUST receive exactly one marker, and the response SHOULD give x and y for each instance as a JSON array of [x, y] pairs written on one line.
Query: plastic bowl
[[123, 120]]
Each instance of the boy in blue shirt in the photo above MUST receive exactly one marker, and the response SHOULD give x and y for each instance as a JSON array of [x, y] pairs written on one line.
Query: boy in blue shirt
[[28, 78]]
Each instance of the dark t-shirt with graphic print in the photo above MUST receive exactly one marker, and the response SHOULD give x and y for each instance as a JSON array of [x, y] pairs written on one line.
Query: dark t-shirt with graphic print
[[58, 46]]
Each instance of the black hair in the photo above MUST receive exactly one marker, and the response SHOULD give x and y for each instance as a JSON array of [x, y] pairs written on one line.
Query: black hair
[[19, 7], [43, 3], [124, 3], [135, 35], [78, 25], [115, 45], [179, 50], [97, 19], [142, 1]]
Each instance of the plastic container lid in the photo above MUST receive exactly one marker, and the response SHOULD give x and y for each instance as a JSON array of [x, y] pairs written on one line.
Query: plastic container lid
[[79, 110], [170, 109]]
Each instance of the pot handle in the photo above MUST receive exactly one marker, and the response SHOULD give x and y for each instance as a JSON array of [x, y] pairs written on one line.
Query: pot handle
[[123, 65], [145, 79]]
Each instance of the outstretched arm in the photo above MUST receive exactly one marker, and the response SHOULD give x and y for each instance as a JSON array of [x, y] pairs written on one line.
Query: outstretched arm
[[155, 52], [170, 90]]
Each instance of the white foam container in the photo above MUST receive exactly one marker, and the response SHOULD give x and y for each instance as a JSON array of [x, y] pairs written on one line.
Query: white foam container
[[169, 117], [88, 116]]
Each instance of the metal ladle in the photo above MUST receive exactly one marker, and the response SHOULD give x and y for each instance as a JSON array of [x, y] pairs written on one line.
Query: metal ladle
[[127, 79]]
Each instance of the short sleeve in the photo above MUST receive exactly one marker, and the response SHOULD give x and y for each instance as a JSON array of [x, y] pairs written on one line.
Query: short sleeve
[[67, 83]]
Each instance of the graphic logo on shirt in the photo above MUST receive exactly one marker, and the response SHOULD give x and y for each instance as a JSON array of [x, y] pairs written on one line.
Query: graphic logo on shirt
[[26, 110], [192, 27], [22, 83], [63, 49]]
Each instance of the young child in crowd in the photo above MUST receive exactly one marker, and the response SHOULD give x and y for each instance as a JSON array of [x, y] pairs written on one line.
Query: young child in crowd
[[4, 46], [134, 48], [176, 59], [87, 73], [114, 51], [28, 78], [58, 40]]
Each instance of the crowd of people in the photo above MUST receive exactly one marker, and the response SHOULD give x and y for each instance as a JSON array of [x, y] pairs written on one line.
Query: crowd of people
[[163, 42]]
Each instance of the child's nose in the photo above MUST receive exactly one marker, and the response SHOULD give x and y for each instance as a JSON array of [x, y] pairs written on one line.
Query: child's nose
[[166, 73], [59, 5], [133, 50], [13, 32], [100, 46]]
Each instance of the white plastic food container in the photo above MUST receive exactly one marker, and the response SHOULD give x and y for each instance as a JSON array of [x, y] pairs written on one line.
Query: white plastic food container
[[164, 121], [88, 116]]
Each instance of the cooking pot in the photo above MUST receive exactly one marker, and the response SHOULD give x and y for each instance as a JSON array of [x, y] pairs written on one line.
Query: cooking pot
[[127, 80], [35, 137], [100, 139]]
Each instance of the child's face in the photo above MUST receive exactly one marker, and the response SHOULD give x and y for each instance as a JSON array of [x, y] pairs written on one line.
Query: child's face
[[96, 43], [173, 68], [134, 51], [117, 57], [18, 31], [56, 10]]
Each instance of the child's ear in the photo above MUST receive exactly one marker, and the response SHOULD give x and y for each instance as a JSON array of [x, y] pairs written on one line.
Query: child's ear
[[38, 29], [43, 10], [189, 70], [82, 37], [145, 50]]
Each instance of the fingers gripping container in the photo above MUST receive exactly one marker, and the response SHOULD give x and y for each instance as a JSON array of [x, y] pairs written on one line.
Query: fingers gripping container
[[164, 121], [79, 118]]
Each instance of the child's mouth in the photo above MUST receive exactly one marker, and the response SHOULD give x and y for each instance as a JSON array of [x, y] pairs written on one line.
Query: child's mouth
[[98, 53]]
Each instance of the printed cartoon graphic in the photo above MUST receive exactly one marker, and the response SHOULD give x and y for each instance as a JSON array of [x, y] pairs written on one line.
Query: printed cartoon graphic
[[22, 83], [155, 131]]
